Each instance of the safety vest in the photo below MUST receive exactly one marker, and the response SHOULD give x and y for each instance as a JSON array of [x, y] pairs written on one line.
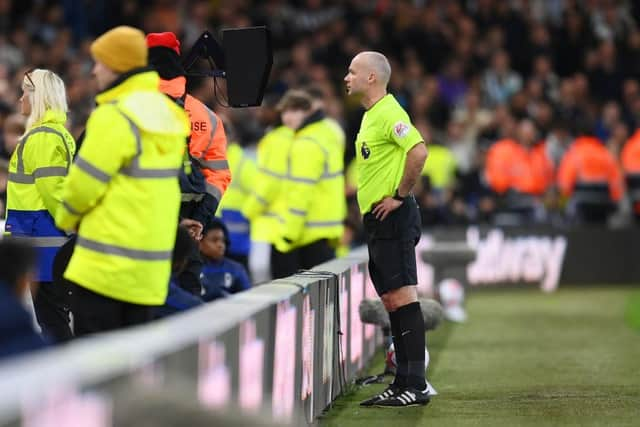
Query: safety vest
[[441, 167], [511, 166], [37, 169], [630, 159], [243, 170], [260, 207], [588, 162], [313, 201], [122, 192], [208, 141], [630, 155]]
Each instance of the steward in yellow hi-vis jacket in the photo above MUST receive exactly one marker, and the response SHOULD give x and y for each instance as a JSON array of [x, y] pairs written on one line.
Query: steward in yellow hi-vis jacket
[[313, 204], [122, 193], [272, 159], [259, 208], [36, 173], [243, 170]]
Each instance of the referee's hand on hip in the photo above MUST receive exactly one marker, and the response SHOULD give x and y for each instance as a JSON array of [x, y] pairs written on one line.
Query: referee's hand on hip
[[384, 207]]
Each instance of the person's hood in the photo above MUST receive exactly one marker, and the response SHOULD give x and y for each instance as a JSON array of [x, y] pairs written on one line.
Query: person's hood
[[151, 110]]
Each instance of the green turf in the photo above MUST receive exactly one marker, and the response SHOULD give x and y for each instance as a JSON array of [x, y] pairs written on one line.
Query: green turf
[[633, 311], [523, 358]]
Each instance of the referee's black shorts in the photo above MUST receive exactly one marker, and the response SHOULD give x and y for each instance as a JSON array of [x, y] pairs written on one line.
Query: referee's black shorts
[[391, 244]]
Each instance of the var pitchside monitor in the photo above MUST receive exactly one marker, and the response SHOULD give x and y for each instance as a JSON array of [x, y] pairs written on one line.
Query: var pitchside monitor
[[248, 60]]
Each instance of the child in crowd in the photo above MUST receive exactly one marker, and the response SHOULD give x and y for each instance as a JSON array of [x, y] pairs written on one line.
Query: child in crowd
[[220, 275], [17, 271]]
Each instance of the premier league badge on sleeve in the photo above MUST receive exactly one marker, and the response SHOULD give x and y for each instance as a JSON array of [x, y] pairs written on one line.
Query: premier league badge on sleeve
[[365, 151], [401, 129]]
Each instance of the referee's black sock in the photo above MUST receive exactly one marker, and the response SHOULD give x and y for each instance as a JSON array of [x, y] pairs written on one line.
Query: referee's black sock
[[412, 332], [402, 366]]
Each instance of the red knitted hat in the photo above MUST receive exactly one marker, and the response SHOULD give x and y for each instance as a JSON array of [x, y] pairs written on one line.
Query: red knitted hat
[[167, 39]]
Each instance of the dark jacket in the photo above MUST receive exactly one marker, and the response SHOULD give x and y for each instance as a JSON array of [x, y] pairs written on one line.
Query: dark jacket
[[221, 278], [17, 335], [177, 300]]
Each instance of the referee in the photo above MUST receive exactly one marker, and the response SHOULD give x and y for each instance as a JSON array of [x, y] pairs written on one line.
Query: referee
[[390, 157]]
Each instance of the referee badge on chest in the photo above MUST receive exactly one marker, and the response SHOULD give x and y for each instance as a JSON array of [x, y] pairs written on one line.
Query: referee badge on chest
[[365, 151]]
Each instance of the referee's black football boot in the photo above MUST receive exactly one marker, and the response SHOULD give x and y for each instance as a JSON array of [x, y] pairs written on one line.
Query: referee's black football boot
[[388, 392], [405, 396]]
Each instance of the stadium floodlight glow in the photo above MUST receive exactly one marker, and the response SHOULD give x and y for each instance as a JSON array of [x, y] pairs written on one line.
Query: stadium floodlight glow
[[244, 59]]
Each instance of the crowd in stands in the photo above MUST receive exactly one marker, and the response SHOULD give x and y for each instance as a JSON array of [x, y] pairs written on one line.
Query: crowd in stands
[[470, 73]]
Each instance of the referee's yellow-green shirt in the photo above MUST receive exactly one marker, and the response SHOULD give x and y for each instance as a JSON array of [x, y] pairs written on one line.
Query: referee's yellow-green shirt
[[386, 135]]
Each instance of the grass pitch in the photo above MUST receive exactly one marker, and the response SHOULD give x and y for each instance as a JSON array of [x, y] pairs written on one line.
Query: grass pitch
[[571, 358]]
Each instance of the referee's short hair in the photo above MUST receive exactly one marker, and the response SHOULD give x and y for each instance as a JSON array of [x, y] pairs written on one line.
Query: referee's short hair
[[295, 99], [379, 64]]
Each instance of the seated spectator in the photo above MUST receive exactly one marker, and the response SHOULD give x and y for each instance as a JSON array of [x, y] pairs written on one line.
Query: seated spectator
[[520, 172], [17, 271], [591, 177], [610, 116], [179, 299], [220, 276], [472, 118], [630, 159], [500, 83], [451, 83]]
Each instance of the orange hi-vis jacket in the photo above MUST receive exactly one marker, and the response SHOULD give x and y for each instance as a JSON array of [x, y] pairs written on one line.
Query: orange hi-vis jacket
[[208, 143], [630, 156], [511, 166], [630, 159], [589, 162]]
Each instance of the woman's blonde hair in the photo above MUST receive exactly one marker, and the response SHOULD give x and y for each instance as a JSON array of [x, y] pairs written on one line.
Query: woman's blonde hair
[[46, 92]]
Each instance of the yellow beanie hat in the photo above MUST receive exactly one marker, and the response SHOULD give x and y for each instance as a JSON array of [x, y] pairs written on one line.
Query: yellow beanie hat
[[121, 49]]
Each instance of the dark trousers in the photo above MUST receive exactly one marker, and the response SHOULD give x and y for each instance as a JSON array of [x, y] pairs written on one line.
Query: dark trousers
[[51, 303], [594, 213], [285, 264], [94, 313]]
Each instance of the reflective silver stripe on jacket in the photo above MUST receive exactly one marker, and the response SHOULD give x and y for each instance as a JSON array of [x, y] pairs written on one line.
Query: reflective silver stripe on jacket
[[312, 224], [214, 165], [42, 242], [271, 173], [68, 207], [298, 212], [214, 191], [21, 177], [87, 167], [274, 215], [50, 171], [109, 249], [237, 227], [214, 127], [191, 197], [134, 169], [259, 198], [303, 180]]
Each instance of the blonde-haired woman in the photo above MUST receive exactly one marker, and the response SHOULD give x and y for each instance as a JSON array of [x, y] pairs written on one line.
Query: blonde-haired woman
[[37, 169]]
